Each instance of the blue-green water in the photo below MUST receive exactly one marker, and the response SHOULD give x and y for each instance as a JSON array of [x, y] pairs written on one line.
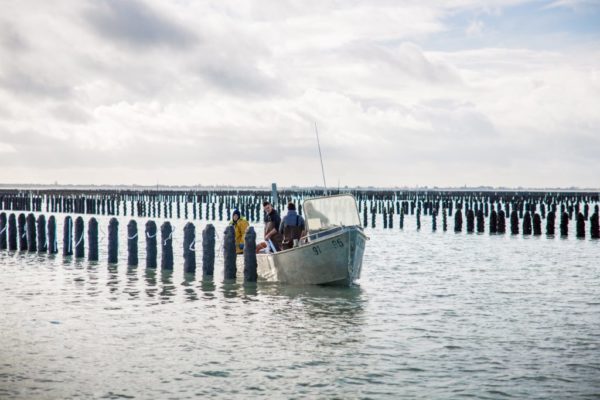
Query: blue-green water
[[435, 315]]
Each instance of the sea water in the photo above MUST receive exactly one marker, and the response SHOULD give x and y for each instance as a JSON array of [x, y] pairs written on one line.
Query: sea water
[[434, 315]]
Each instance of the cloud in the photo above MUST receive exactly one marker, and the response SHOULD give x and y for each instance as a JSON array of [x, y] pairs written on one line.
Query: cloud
[[475, 28], [23, 84], [572, 4], [7, 148], [136, 24], [11, 39], [71, 113]]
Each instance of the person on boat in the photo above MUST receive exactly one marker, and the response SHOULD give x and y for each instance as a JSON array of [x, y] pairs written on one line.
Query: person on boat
[[240, 224], [292, 227], [272, 238]]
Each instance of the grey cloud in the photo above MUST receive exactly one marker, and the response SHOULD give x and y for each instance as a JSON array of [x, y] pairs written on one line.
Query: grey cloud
[[137, 24], [456, 119], [71, 113], [21, 83], [26, 139], [231, 64], [579, 148], [238, 79], [5, 112], [11, 39], [407, 58]]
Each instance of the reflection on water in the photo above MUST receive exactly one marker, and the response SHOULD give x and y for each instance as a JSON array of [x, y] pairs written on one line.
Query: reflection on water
[[132, 283], [344, 306], [188, 283], [230, 289], [208, 287], [167, 290], [150, 278], [93, 289], [112, 281], [250, 290]]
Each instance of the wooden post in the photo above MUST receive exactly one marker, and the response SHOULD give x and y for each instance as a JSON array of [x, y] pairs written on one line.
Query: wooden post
[[250, 263], [52, 237], [385, 220], [113, 241], [401, 218], [79, 242], [31, 233], [537, 224], [229, 253], [151, 244], [21, 223], [189, 248], [527, 223], [41, 234], [68, 236], [493, 221], [564, 224], [3, 231], [580, 226], [594, 228], [444, 220], [470, 220], [458, 220], [274, 195], [93, 239], [373, 216], [501, 222], [166, 236], [132, 243], [543, 210], [480, 221], [514, 222], [550, 222], [208, 250]]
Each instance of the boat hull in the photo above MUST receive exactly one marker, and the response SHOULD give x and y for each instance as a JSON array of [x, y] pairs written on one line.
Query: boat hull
[[334, 259]]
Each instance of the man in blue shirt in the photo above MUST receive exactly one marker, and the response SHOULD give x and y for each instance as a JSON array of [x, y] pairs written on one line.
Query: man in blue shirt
[[292, 227]]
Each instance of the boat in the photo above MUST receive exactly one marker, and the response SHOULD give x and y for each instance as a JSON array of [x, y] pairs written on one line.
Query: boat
[[332, 251]]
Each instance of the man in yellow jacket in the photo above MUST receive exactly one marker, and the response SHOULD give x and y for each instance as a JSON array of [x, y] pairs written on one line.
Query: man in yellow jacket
[[239, 225]]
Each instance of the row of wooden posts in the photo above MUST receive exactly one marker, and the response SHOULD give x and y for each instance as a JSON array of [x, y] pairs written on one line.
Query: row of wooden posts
[[525, 211], [26, 233], [531, 222], [218, 204]]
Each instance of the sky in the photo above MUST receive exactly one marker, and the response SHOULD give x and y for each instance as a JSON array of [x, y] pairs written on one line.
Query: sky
[[403, 93]]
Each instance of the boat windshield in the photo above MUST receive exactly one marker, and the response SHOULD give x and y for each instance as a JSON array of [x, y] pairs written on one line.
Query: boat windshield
[[329, 212]]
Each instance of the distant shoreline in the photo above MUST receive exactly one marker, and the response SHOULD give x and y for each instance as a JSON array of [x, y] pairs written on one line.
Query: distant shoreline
[[6, 186]]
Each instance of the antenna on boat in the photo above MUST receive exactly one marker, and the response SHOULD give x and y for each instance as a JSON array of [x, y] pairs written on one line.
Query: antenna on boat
[[321, 157]]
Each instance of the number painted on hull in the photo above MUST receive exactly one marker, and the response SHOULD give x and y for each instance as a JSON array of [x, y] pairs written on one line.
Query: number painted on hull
[[337, 243]]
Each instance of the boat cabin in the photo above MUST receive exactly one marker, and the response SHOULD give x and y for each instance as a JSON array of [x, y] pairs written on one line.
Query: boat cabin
[[325, 215]]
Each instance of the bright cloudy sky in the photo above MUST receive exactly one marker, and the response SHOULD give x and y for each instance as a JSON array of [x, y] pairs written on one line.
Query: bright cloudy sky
[[446, 93]]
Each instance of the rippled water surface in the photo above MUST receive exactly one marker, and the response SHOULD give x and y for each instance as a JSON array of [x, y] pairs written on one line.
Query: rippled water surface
[[435, 315]]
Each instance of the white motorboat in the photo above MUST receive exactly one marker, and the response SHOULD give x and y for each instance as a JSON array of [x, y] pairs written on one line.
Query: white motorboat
[[331, 253]]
